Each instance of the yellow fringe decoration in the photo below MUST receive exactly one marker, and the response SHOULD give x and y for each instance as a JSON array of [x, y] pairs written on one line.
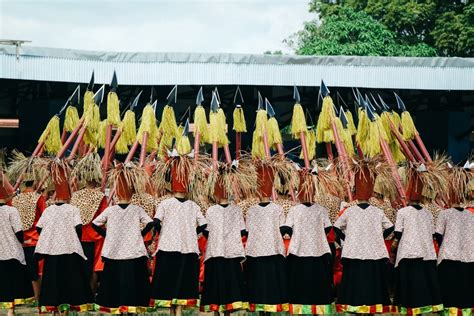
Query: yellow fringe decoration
[[223, 140], [239, 121], [217, 125], [88, 102], [148, 124], [273, 131], [392, 141], [310, 137], [129, 128], [350, 123], [113, 109], [71, 118], [345, 137], [397, 153], [298, 121], [183, 145], [324, 132], [101, 135], [51, 136], [261, 122], [169, 129], [372, 146], [200, 124], [121, 147], [397, 121], [409, 129], [362, 128]]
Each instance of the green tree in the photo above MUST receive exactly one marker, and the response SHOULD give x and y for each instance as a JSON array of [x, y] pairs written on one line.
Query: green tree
[[446, 25], [350, 32]]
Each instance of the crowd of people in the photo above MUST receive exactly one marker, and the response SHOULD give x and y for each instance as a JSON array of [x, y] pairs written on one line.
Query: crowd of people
[[381, 228]]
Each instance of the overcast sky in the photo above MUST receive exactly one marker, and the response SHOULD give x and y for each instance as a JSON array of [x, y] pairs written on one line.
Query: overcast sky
[[237, 26]]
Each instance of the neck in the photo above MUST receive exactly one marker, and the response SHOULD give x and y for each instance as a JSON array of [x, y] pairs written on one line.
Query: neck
[[264, 200], [362, 201], [224, 202], [123, 202], [179, 195], [308, 204]]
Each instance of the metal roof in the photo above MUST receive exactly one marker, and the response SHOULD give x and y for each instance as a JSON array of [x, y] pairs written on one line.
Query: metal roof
[[67, 65]]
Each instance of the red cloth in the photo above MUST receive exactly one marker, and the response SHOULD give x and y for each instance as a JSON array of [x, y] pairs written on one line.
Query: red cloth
[[470, 208], [202, 243], [31, 235]]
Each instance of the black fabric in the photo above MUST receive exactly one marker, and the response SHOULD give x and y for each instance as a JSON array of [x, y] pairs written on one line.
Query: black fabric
[[176, 276], [20, 236], [263, 204], [310, 280], [182, 200], [363, 205], [123, 205], [244, 233], [456, 280], [266, 280], [201, 229], [417, 206], [327, 230], [157, 224], [59, 203], [339, 234], [388, 231], [364, 282], [398, 235], [15, 281], [460, 209], [65, 281], [417, 283], [307, 204], [223, 282], [89, 250], [32, 263], [38, 229], [124, 283], [101, 231], [439, 238], [79, 231], [286, 230], [147, 228], [224, 205]]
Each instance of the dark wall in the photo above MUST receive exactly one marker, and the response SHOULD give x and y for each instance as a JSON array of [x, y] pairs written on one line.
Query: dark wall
[[444, 118]]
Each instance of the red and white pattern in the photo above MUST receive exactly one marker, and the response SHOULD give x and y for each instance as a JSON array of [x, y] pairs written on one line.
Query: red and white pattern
[[308, 224], [10, 224], [123, 239], [58, 235], [417, 230], [364, 233], [457, 228], [179, 221], [263, 225], [225, 225]]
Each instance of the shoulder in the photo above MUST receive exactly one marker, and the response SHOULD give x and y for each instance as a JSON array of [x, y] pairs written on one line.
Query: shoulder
[[403, 210]]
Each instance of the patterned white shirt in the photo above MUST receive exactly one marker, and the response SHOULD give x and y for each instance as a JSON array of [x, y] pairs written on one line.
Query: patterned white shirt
[[123, 239], [225, 225], [364, 232], [58, 235], [308, 224], [179, 221], [263, 225], [457, 228], [10, 224], [417, 231]]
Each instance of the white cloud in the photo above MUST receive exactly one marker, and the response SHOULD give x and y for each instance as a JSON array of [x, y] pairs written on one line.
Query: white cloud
[[173, 26]]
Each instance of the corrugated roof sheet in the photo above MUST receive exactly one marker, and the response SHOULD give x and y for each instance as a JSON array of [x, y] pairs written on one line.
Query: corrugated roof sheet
[[50, 64]]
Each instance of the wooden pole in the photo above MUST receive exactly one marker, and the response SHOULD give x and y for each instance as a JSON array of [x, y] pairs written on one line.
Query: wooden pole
[[76, 144], [395, 174], [70, 139], [143, 149]]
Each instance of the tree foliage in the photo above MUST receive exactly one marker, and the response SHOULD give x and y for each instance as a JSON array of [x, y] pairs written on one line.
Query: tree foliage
[[445, 25], [351, 32]]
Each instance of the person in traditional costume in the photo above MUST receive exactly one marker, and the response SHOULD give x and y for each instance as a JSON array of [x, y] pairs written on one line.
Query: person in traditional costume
[[223, 287], [363, 227], [15, 285], [265, 268], [91, 201], [125, 285], [417, 287], [65, 285], [179, 221], [310, 287], [30, 205], [455, 234]]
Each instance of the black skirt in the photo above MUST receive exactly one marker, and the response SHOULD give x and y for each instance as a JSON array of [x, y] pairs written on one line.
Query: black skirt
[[364, 287], [456, 280], [267, 283], [310, 285], [15, 284], [223, 287], [175, 280], [417, 286], [32, 263], [89, 251], [65, 284], [125, 285]]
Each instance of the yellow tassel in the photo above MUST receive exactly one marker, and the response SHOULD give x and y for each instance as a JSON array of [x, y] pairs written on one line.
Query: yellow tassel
[[88, 101], [362, 128], [51, 136], [148, 124], [129, 128], [397, 154], [183, 145], [258, 148], [90, 138], [239, 121], [345, 137], [350, 123], [113, 110], [71, 118], [376, 133], [200, 124], [274, 135], [102, 134], [121, 147], [213, 127], [222, 135], [298, 121], [310, 137], [323, 128], [409, 129], [386, 120], [397, 121], [169, 129]]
